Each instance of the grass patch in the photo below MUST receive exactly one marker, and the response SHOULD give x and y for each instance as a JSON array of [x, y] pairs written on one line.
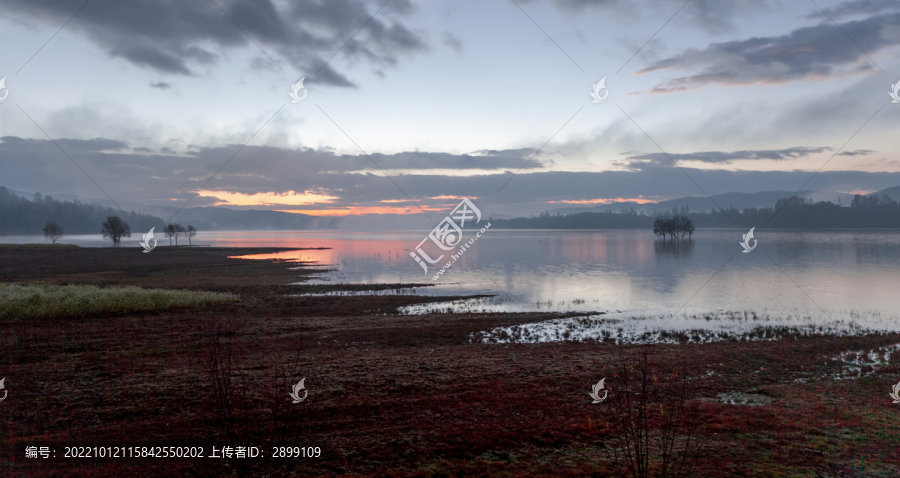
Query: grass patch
[[18, 301], [38, 246]]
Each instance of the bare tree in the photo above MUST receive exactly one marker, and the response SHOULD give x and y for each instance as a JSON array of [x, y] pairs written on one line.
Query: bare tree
[[652, 421], [190, 232], [170, 232], [179, 232], [53, 231], [659, 228], [115, 228]]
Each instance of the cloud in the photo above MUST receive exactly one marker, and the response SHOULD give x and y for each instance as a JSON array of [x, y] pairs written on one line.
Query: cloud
[[815, 52], [72, 146], [174, 37], [486, 160], [260, 175], [135, 174], [161, 85], [722, 157], [451, 41], [858, 152], [712, 15], [860, 7]]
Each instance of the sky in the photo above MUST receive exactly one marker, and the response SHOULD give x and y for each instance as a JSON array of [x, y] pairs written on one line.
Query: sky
[[412, 105]]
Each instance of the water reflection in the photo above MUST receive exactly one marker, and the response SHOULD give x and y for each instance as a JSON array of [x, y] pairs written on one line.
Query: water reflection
[[844, 272], [677, 249], [690, 327]]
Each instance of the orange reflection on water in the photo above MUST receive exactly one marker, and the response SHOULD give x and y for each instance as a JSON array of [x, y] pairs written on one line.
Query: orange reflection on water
[[324, 256], [361, 210], [615, 246], [384, 247]]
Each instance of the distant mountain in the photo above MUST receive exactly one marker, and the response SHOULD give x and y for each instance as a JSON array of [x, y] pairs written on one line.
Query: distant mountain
[[892, 192], [224, 219], [865, 212], [698, 204]]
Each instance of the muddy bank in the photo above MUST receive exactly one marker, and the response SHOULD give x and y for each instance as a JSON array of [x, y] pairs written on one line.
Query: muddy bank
[[401, 395]]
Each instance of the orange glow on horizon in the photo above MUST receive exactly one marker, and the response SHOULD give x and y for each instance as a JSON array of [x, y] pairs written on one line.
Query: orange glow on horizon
[[360, 210], [290, 198]]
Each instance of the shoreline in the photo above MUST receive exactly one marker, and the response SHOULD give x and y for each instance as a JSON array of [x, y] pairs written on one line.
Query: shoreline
[[412, 390]]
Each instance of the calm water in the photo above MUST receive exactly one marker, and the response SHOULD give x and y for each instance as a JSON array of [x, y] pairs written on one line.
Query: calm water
[[791, 275]]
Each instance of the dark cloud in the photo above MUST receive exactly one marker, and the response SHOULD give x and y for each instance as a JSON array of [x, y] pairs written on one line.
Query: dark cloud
[[807, 53], [711, 15], [160, 84], [451, 41], [480, 160], [174, 36], [71, 146], [858, 152], [124, 172], [725, 158], [37, 165], [860, 7]]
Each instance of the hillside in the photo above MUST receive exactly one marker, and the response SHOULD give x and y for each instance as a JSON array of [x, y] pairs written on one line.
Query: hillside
[[21, 216]]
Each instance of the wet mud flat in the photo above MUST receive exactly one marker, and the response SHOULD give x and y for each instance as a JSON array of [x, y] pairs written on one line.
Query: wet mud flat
[[391, 394]]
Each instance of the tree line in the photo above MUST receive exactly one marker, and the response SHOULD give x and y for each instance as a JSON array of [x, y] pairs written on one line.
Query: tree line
[[175, 231], [55, 219], [21, 216], [864, 212], [114, 228]]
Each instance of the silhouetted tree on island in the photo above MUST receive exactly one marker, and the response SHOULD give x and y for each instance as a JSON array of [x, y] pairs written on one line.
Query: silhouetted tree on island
[[676, 225], [114, 228], [688, 229], [53, 231]]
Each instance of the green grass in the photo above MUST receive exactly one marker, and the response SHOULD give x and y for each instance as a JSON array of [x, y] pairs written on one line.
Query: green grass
[[19, 301]]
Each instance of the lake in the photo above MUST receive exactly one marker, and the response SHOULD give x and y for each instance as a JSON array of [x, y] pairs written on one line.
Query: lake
[[838, 279]]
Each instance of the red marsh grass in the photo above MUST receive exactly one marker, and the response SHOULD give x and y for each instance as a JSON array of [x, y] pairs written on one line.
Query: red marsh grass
[[400, 395]]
